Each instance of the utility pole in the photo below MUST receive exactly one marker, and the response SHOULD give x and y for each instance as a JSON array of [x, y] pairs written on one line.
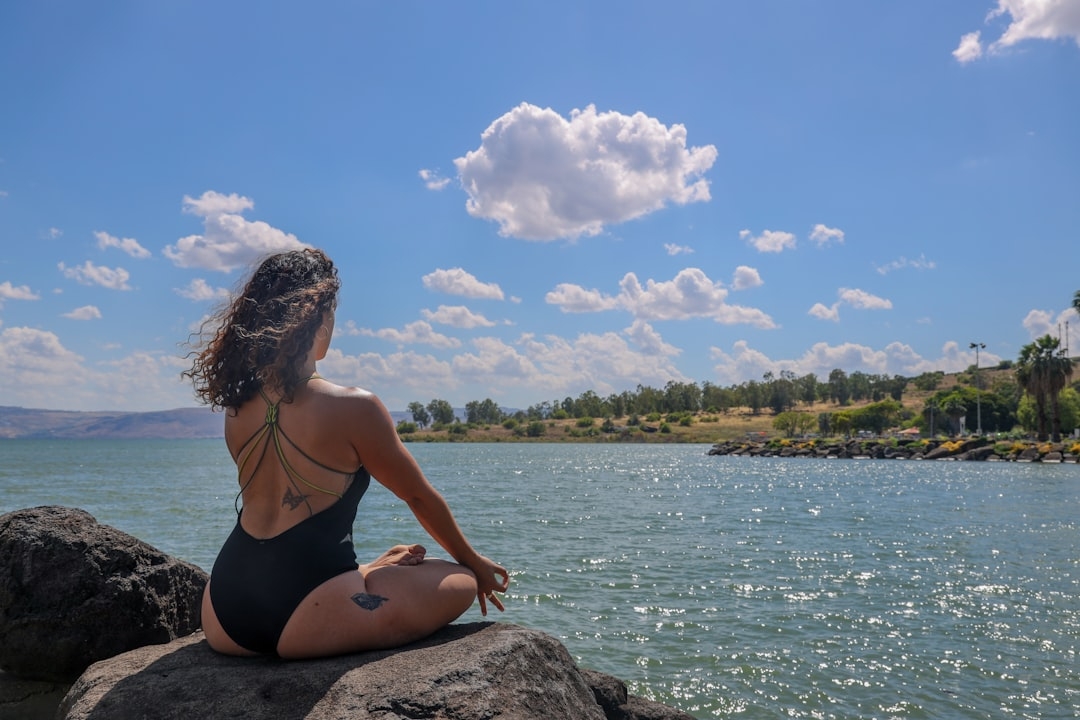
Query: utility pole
[[976, 346]]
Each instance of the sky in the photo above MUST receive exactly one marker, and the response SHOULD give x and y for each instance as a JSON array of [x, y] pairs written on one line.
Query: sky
[[527, 201]]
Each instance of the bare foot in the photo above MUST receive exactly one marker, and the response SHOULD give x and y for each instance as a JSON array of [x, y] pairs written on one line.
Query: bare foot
[[398, 555]]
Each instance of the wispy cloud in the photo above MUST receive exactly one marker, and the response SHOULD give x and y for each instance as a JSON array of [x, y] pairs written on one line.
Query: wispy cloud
[[673, 249], [902, 263], [20, 292], [853, 297], [432, 180], [199, 290], [457, 316], [86, 312], [541, 176], [129, 245]]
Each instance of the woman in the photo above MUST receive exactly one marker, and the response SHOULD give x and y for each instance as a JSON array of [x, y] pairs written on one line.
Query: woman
[[286, 580]]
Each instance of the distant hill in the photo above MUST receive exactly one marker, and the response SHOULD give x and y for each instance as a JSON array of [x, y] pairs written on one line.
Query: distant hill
[[182, 423], [179, 424]]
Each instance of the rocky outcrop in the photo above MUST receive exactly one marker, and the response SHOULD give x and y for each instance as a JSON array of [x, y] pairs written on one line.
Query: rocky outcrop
[[73, 592], [975, 449], [477, 670]]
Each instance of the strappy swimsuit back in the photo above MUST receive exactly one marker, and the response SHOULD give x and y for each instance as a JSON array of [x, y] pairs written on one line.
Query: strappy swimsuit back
[[256, 584]]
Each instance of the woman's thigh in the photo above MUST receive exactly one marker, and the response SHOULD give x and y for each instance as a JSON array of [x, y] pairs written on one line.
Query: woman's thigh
[[390, 606]]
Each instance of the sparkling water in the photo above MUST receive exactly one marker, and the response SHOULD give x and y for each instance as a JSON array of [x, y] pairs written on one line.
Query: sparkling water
[[725, 586]]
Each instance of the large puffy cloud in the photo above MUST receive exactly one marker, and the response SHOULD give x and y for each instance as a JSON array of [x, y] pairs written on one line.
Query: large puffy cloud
[[690, 294], [456, 281], [229, 241], [1045, 322], [1028, 20], [542, 177]]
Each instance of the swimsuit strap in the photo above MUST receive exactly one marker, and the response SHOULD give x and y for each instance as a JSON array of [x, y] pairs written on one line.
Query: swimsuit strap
[[272, 428]]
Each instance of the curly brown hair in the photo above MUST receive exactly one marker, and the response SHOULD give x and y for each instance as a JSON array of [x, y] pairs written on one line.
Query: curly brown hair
[[263, 334]]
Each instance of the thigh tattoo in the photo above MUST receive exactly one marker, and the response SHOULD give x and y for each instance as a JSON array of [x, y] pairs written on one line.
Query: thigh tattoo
[[368, 601]]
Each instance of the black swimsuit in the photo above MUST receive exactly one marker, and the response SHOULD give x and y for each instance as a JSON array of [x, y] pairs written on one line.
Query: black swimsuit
[[257, 584]]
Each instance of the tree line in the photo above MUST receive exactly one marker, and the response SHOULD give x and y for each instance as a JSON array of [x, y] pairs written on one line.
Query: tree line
[[1036, 397]]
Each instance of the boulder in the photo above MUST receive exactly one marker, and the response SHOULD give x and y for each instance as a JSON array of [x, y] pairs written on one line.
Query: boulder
[[73, 592], [476, 670]]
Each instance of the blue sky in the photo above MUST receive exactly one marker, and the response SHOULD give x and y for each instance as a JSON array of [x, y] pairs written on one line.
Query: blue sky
[[527, 201]]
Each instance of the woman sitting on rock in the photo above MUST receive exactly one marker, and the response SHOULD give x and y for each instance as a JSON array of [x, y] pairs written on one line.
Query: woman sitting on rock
[[287, 580]]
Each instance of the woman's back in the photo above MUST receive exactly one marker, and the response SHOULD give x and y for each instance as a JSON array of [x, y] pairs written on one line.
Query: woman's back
[[294, 459]]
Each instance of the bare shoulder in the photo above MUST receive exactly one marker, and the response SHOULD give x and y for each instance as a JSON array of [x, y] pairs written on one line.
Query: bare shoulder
[[354, 404]]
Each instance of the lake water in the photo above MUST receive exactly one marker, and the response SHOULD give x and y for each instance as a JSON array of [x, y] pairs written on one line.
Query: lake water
[[725, 586]]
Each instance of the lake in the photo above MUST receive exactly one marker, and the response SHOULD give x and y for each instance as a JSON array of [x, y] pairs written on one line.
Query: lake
[[725, 586]]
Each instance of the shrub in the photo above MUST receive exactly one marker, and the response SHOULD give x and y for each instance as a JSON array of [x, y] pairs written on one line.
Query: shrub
[[510, 423], [665, 428], [653, 417], [458, 429], [405, 427], [535, 429], [686, 420], [585, 422]]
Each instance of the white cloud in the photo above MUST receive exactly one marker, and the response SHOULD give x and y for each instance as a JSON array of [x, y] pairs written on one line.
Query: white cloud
[[1028, 20], [572, 298], [769, 240], [420, 374], [456, 281], [823, 235], [86, 312], [650, 342], [862, 300], [38, 370], [690, 294], [128, 245], [673, 249], [53, 233], [228, 241], [544, 177], [199, 290], [432, 180], [858, 299], [418, 332], [920, 263], [1038, 20], [457, 316], [970, 48], [1045, 322], [823, 312], [90, 274], [746, 278], [11, 292]]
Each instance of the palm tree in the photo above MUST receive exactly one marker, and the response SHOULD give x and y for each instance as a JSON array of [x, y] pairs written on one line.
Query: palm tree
[[1043, 371], [955, 409]]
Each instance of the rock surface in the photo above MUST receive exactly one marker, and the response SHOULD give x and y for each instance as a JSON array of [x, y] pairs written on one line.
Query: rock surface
[[73, 591], [475, 671]]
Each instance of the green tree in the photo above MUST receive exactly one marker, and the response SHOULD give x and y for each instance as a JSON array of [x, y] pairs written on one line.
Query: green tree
[[839, 391], [954, 409], [442, 412], [420, 414], [1044, 371], [483, 411]]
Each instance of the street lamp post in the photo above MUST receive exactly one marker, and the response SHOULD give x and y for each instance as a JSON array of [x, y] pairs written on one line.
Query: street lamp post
[[976, 346]]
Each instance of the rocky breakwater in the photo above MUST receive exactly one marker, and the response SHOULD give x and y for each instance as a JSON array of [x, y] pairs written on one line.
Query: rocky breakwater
[[87, 603], [977, 449]]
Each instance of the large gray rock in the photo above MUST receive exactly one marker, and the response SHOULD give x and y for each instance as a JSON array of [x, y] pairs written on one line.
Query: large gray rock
[[73, 592], [475, 671]]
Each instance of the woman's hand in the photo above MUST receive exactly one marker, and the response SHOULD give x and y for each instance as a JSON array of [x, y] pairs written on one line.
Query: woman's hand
[[490, 578]]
